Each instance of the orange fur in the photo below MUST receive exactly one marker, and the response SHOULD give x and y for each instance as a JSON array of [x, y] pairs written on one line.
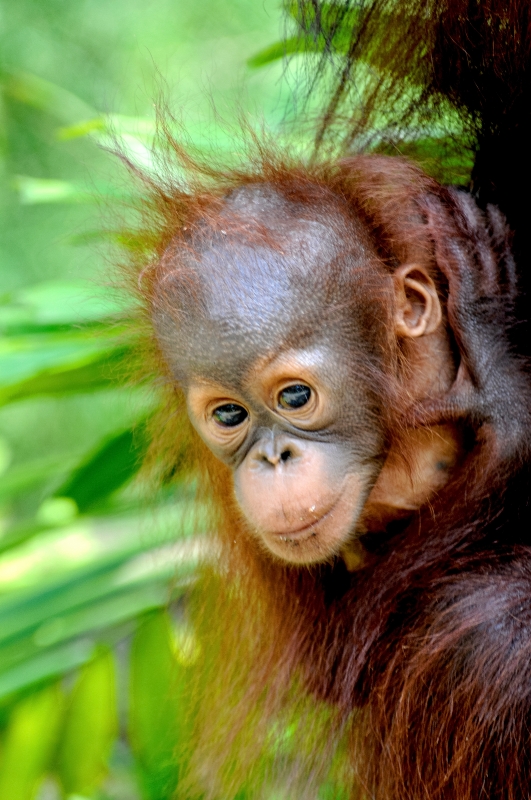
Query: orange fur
[[415, 665]]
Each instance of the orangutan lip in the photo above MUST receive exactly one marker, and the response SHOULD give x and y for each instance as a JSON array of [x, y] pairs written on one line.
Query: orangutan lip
[[306, 530]]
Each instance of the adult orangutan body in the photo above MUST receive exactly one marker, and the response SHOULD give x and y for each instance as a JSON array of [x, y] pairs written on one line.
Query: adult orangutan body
[[339, 334]]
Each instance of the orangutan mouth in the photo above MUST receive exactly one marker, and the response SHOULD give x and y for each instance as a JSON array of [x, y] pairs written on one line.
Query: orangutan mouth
[[309, 530]]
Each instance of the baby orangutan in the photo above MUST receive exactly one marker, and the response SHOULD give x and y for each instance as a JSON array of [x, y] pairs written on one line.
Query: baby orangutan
[[339, 335]]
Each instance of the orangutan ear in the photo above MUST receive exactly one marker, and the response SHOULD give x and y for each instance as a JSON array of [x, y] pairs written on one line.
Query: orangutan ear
[[417, 307]]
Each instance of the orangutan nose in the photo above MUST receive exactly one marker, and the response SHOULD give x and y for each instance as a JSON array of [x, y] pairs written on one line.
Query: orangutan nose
[[276, 452]]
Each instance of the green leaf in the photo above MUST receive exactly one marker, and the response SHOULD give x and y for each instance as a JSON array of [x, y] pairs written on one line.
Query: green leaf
[[114, 124], [125, 239], [45, 666], [20, 479], [135, 137], [446, 158], [5, 457], [28, 659], [74, 605], [90, 727], [35, 191], [25, 357], [47, 631], [158, 694], [100, 374], [85, 128], [29, 743], [46, 96], [332, 17], [55, 303], [56, 363], [46, 190], [280, 50], [114, 462]]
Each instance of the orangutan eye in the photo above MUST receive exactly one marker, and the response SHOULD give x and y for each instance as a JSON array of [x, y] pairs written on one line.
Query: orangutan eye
[[294, 396], [230, 415]]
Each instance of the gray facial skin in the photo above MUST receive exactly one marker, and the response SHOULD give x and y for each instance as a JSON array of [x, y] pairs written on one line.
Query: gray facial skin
[[239, 322]]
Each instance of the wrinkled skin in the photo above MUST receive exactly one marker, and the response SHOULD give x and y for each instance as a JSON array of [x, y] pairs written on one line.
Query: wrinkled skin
[[285, 355]]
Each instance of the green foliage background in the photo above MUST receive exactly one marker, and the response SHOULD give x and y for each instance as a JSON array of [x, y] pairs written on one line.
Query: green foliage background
[[94, 650]]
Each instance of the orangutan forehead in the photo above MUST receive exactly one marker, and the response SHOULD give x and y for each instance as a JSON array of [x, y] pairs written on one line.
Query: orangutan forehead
[[242, 287], [245, 288], [242, 303], [250, 282], [256, 251]]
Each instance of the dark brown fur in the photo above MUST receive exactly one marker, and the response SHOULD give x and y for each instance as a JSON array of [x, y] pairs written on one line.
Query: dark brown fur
[[418, 665], [458, 70]]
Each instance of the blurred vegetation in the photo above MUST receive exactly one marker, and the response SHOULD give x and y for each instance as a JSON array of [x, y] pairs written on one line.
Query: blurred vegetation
[[95, 650], [94, 647]]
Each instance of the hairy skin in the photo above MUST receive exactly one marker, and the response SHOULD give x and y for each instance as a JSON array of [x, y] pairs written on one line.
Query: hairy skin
[[304, 477], [339, 338]]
